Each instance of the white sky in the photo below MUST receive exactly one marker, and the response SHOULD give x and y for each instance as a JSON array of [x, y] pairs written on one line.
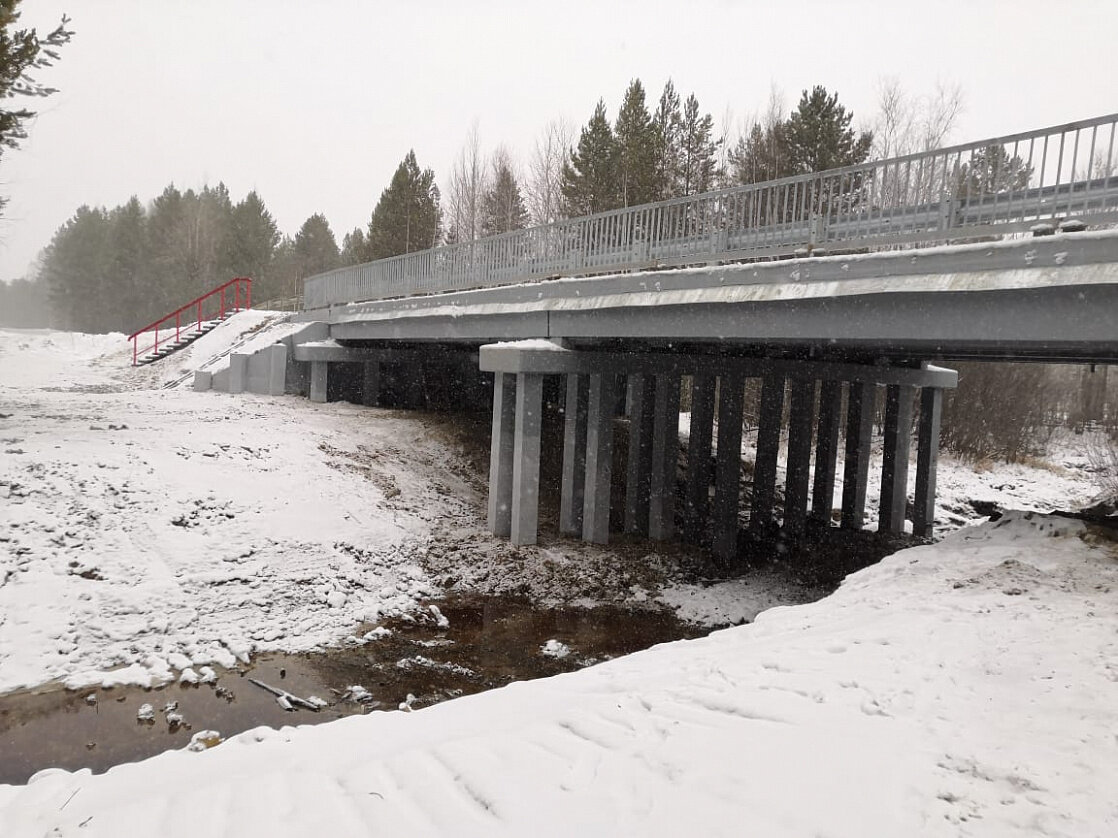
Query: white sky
[[314, 104]]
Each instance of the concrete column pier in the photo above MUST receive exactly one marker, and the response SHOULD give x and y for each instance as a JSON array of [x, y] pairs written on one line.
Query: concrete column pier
[[601, 407], [727, 470], [638, 474], [573, 486], [856, 469], [370, 392], [698, 452], [501, 454], [826, 451], [798, 472], [319, 373], [768, 452], [593, 391], [665, 456], [526, 458], [927, 458], [894, 465]]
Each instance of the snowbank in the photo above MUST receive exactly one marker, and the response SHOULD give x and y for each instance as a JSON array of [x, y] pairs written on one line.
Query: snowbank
[[964, 688]]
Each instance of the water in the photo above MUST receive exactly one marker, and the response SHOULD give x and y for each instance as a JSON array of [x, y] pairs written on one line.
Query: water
[[489, 643]]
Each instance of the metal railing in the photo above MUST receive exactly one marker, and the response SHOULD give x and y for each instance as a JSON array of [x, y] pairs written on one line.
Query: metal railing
[[979, 189], [188, 320]]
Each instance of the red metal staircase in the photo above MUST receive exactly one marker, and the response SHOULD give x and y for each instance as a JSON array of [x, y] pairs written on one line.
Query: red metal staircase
[[187, 323]]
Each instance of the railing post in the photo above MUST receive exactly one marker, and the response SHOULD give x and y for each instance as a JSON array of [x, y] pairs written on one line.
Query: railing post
[[156, 349], [248, 292], [199, 315], [178, 319], [133, 350], [222, 316]]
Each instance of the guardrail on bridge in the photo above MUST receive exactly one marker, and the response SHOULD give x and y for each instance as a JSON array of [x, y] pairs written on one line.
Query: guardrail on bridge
[[989, 187]]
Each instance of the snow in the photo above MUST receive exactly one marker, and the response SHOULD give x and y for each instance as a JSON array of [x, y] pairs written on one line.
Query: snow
[[964, 688], [555, 649], [961, 688], [205, 528]]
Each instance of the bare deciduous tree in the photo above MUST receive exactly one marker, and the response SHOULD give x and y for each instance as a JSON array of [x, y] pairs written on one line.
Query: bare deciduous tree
[[543, 188], [908, 124], [468, 183]]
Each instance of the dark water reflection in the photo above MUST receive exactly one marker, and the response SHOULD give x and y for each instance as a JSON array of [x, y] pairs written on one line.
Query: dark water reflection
[[489, 642]]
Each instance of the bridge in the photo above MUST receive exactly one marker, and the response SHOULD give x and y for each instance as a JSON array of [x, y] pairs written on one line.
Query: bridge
[[823, 287]]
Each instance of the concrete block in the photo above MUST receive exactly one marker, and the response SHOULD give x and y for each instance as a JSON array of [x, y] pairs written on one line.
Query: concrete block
[[220, 381], [238, 372], [203, 380], [277, 369]]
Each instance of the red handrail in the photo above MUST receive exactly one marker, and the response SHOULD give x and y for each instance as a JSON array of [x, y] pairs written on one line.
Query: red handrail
[[242, 286]]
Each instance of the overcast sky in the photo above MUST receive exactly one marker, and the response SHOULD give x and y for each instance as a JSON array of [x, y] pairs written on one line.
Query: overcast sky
[[314, 104]]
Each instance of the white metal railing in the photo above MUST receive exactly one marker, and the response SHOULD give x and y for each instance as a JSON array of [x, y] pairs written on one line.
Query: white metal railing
[[990, 187]]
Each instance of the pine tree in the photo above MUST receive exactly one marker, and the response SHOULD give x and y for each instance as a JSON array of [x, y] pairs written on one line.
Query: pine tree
[[407, 216], [697, 149], [760, 156], [991, 170], [22, 52], [126, 265], [251, 245], [75, 269], [355, 250], [167, 261], [502, 206], [818, 135], [284, 275], [589, 177], [315, 247], [635, 141], [667, 124]]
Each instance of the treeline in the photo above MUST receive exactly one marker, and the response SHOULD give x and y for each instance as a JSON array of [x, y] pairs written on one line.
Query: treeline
[[119, 268], [115, 270]]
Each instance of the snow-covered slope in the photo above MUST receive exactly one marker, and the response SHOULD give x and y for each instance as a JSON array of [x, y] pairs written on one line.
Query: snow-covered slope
[[965, 688]]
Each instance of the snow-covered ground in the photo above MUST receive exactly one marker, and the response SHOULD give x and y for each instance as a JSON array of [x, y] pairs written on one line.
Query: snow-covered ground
[[962, 688], [965, 688], [144, 530]]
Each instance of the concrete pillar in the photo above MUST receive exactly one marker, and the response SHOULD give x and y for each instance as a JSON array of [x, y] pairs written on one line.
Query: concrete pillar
[[238, 372], [526, 458], [927, 457], [894, 465], [573, 488], [727, 475], [856, 469], [319, 370], [601, 407], [698, 450], [798, 472], [638, 471], [501, 454], [826, 451], [665, 456], [768, 451], [370, 391]]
